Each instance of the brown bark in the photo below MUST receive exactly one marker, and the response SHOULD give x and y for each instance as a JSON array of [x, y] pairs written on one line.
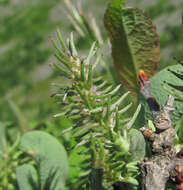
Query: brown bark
[[162, 166]]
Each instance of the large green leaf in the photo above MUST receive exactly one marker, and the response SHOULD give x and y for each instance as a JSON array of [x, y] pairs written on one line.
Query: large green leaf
[[135, 43], [50, 157], [27, 177]]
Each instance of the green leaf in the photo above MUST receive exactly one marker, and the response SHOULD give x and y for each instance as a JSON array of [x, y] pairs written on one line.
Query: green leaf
[[135, 43], [131, 180], [137, 144], [151, 125], [50, 157], [27, 177], [161, 90], [132, 120]]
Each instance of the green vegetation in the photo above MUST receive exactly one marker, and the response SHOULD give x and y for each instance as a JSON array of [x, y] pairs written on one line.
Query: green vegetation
[[77, 99]]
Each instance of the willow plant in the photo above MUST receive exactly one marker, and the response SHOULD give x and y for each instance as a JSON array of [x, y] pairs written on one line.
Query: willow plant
[[95, 108]]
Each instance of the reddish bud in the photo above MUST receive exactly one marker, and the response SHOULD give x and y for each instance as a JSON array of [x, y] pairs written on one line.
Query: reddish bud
[[142, 75], [142, 78]]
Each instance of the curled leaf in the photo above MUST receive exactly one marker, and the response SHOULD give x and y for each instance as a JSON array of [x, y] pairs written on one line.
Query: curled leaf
[[135, 43]]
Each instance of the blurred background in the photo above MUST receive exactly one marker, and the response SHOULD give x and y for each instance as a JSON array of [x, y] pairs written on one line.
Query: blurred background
[[26, 51]]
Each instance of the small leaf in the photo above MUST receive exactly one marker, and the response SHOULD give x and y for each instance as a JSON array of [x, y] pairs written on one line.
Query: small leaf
[[137, 144], [132, 120], [27, 177], [131, 180], [151, 125], [50, 157], [119, 101], [135, 43], [72, 46], [61, 40]]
